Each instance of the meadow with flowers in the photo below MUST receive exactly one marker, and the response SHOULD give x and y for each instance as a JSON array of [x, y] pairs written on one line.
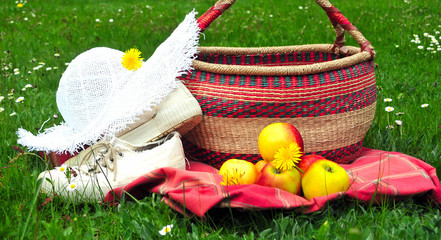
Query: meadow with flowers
[[39, 38]]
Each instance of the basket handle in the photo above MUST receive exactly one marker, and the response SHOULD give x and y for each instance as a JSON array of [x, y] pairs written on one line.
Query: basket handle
[[340, 23]]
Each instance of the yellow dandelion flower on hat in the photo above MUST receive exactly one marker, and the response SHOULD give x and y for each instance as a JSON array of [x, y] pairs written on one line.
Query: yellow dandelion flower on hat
[[132, 59]]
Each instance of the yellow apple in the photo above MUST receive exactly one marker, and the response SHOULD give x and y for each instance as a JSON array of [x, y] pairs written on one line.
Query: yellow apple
[[323, 178], [237, 172]]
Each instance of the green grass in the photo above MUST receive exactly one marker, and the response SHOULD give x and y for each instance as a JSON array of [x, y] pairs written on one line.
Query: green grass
[[35, 32]]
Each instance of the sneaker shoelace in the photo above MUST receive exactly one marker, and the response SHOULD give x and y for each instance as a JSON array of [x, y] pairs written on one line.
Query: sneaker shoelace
[[106, 157]]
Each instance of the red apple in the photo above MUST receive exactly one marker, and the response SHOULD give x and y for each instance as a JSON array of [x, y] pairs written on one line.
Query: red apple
[[276, 136], [288, 180], [323, 178], [308, 160], [260, 164]]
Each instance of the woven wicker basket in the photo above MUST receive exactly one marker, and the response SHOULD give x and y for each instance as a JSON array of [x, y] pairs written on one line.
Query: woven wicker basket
[[326, 90]]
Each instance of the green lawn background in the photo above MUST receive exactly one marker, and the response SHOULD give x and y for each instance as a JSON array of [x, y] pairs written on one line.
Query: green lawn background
[[51, 33]]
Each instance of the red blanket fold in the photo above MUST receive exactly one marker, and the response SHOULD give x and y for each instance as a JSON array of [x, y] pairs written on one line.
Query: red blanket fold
[[376, 175]]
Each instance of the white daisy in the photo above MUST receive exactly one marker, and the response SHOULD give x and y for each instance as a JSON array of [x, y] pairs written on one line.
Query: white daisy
[[165, 230], [389, 109], [20, 99], [72, 187]]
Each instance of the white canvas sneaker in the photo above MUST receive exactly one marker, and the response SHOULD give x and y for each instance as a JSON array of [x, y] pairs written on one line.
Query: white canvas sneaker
[[111, 164]]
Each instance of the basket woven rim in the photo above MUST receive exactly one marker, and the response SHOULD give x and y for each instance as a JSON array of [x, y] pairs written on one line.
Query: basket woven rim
[[355, 57]]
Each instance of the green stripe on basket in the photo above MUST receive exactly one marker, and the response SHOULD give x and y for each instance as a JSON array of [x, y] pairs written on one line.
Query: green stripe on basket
[[212, 78], [242, 80], [282, 57], [265, 81], [311, 80], [276, 81]]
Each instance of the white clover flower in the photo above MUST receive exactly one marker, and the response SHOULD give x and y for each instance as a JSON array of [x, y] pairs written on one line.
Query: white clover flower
[[397, 46], [424, 105], [111, 20], [97, 20], [399, 122], [25, 19], [19, 99], [165, 230], [389, 109], [148, 7], [119, 10], [388, 100], [300, 7]]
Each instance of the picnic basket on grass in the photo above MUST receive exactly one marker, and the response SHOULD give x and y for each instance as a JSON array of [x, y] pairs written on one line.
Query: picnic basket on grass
[[327, 91]]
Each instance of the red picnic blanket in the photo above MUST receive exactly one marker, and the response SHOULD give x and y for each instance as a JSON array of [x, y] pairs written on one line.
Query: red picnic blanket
[[375, 175]]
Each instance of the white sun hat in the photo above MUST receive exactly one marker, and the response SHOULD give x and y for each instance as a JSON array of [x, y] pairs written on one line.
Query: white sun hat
[[98, 97]]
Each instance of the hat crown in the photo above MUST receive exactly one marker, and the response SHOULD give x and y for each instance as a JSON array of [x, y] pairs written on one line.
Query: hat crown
[[88, 85]]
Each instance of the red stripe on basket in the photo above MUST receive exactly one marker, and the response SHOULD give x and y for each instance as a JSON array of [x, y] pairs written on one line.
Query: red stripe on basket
[[278, 95], [298, 57], [220, 107]]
